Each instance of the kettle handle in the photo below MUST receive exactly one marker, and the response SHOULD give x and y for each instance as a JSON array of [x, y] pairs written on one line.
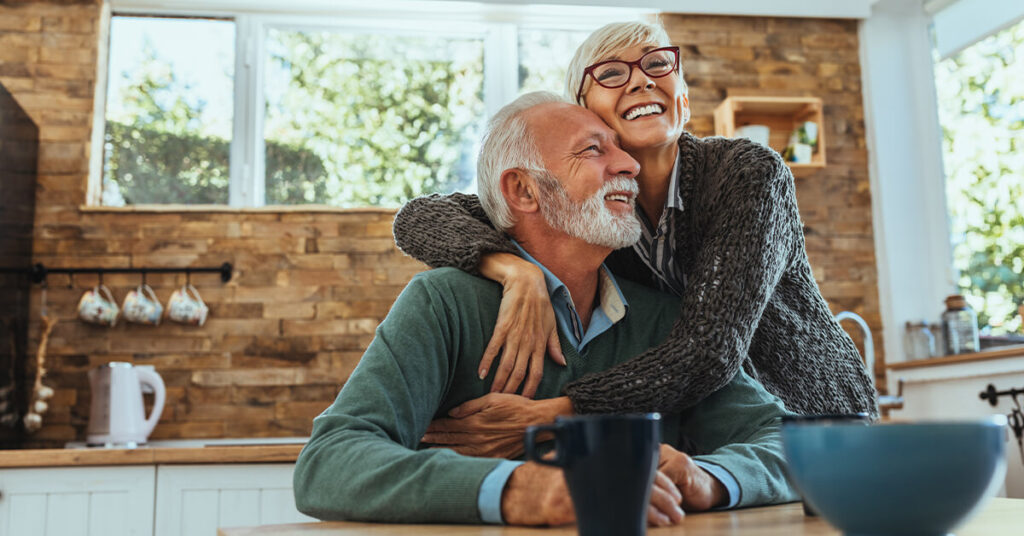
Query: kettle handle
[[149, 377]]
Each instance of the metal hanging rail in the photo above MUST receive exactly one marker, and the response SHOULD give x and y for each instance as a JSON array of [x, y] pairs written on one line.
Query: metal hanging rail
[[992, 395], [39, 271]]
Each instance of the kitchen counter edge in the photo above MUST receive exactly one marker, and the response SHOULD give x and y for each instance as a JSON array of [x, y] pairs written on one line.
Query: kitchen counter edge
[[149, 456]]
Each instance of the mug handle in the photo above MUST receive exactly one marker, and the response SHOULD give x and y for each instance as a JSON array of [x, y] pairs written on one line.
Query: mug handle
[[189, 288], [531, 444], [110, 299], [106, 292], [148, 290]]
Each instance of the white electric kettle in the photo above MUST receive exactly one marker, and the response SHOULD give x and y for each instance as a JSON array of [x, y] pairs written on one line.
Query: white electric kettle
[[117, 417]]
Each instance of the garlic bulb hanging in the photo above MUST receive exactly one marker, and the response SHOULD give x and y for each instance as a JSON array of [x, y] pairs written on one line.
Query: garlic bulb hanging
[[32, 422]]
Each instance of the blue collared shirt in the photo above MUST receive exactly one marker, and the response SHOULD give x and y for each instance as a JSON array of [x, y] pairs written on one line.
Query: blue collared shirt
[[611, 309]]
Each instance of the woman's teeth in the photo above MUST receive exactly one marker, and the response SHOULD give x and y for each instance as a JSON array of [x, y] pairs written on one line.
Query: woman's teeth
[[640, 111]]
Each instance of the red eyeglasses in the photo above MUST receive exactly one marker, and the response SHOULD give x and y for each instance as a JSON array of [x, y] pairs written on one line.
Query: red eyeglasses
[[611, 74]]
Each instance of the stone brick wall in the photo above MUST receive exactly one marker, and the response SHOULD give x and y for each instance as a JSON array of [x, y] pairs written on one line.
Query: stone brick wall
[[310, 285]]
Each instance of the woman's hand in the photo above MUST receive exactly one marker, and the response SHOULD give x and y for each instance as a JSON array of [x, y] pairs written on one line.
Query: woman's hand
[[492, 425], [525, 328]]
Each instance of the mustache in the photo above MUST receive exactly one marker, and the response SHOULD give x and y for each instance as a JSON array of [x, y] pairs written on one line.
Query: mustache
[[620, 184]]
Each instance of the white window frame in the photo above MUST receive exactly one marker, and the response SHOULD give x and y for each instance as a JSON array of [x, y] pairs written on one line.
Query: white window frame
[[498, 26]]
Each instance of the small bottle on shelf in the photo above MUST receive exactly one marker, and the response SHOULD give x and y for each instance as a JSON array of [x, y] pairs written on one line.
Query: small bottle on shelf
[[919, 342], [959, 326]]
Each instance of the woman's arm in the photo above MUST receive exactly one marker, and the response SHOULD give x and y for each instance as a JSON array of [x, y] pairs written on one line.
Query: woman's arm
[[453, 230], [742, 258], [448, 230]]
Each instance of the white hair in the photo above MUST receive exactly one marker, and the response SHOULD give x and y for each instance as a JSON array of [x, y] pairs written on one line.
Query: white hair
[[508, 144], [590, 220], [605, 42]]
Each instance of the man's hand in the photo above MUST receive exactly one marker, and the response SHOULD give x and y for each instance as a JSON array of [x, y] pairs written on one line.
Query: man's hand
[[700, 490], [664, 509], [493, 425], [538, 495]]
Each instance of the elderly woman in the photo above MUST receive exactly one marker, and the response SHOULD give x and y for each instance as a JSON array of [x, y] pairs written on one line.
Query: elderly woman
[[721, 230]]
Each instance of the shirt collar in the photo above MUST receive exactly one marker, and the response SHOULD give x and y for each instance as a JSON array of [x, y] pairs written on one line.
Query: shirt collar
[[612, 303]]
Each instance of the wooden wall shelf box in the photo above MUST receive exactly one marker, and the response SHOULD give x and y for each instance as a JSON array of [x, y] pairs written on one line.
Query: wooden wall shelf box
[[781, 115]]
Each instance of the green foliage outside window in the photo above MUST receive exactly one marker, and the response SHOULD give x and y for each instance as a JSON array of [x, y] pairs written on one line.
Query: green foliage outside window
[[389, 117], [351, 120], [981, 109]]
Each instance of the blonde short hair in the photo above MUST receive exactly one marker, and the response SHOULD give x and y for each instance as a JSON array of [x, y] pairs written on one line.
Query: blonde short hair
[[605, 42]]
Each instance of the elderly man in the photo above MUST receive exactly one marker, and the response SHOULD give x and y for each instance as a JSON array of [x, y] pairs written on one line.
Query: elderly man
[[554, 178]]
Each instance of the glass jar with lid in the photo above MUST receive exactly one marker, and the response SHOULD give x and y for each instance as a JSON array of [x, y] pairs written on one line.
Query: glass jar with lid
[[959, 326], [919, 342]]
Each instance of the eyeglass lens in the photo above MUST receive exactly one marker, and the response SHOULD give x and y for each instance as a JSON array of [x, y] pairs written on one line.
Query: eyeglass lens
[[655, 63]]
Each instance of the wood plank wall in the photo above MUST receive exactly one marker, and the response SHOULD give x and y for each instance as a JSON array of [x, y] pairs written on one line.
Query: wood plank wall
[[309, 287]]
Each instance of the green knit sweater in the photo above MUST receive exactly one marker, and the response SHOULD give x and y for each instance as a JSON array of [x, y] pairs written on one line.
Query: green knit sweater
[[364, 461]]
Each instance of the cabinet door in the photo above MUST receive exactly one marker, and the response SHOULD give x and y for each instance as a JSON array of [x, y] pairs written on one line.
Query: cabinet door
[[197, 499], [71, 501]]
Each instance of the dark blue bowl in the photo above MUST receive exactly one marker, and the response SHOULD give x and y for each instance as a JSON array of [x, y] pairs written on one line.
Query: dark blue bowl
[[896, 479]]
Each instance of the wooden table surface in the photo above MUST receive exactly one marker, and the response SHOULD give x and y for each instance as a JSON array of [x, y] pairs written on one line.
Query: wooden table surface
[[999, 517]]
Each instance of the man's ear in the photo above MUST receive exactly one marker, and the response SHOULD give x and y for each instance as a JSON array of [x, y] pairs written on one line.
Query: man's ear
[[520, 190]]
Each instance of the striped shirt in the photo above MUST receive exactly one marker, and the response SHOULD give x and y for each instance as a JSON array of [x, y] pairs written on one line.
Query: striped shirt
[[656, 242]]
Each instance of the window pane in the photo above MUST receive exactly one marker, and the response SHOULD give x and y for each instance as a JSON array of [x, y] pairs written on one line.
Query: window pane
[[169, 111], [369, 119], [543, 57], [981, 110]]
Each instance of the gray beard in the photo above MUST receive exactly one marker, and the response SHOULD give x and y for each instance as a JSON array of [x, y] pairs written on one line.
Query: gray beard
[[589, 220]]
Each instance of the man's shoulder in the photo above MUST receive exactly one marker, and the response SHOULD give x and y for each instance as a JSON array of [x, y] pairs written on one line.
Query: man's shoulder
[[454, 282]]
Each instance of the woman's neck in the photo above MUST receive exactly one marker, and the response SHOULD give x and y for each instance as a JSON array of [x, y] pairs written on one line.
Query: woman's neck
[[656, 166]]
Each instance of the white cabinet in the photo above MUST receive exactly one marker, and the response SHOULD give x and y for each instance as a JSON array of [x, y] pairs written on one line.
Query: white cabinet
[[71, 501], [197, 499], [145, 500]]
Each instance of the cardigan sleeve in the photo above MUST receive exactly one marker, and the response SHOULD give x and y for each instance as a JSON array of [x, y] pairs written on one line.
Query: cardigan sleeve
[[448, 230], [753, 225]]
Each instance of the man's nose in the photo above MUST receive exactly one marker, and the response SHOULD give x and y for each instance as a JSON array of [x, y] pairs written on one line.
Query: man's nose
[[623, 164]]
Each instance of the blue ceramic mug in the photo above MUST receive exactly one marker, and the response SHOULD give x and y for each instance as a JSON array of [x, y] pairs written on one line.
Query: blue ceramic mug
[[609, 463]]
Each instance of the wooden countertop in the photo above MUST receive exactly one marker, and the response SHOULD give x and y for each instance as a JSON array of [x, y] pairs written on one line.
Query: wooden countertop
[[1000, 516], [999, 353], [149, 455]]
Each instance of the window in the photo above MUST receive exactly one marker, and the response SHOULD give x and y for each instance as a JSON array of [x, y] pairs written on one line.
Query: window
[[539, 68], [355, 119], [981, 111], [169, 111], [253, 110]]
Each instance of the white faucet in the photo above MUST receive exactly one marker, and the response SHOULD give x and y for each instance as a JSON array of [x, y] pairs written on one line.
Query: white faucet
[[869, 342], [885, 402]]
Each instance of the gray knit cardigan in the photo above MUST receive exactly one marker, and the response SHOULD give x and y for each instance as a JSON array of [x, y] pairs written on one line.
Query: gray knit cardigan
[[750, 298]]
